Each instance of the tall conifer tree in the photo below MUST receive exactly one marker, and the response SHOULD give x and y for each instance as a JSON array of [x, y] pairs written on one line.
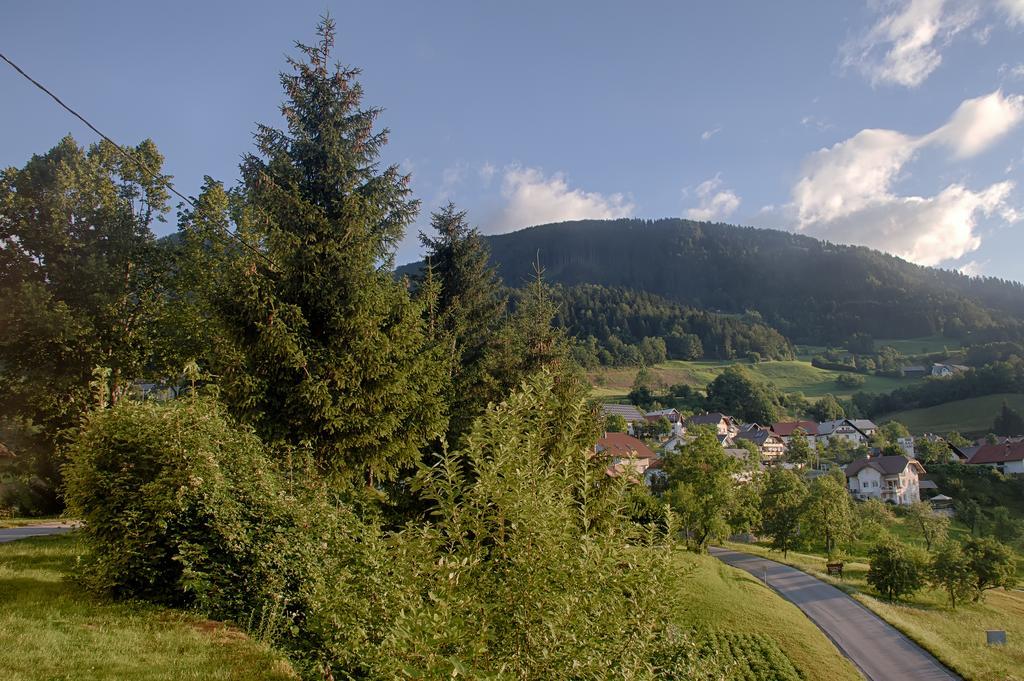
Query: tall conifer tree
[[330, 353], [470, 310]]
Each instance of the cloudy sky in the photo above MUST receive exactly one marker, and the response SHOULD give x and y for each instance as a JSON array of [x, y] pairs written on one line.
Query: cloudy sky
[[894, 124]]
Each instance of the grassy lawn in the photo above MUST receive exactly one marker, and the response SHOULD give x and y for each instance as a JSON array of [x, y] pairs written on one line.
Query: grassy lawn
[[51, 629], [956, 637], [28, 522], [723, 598], [966, 416], [789, 376], [921, 346]]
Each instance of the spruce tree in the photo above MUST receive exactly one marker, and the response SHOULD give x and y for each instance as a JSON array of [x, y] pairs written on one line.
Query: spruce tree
[[327, 353], [1008, 421], [469, 309]]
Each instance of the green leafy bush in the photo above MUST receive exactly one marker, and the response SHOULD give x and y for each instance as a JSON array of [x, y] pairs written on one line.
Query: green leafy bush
[[528, 566]]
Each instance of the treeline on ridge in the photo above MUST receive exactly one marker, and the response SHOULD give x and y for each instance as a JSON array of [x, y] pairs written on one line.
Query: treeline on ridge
[[813, 292], [624, 327]]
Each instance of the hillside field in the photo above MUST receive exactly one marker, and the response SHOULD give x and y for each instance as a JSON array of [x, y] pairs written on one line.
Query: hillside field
[[972, 415], [50, 628], [611, 384]]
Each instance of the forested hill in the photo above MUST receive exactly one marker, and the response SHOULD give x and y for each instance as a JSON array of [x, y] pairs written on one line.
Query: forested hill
[[812, 291]]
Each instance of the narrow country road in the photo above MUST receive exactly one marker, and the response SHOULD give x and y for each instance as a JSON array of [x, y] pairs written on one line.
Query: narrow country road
[[12, 533], [880, 651]]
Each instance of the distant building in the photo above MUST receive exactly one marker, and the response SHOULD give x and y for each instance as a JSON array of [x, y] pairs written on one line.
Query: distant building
[[943, 370], [856, 431], [770, 445], [673, 416], [914, 371], [1006, 457], [724, 425], [624, 452], [894, 479], [626, 411], [787, 429]]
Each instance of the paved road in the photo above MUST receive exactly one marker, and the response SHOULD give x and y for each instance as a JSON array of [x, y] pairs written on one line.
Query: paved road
[[12, 533], [881, 652]]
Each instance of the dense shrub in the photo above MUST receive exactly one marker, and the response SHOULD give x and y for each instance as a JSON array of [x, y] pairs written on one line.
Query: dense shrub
[[897, 570], [182, 508], [528, 566]]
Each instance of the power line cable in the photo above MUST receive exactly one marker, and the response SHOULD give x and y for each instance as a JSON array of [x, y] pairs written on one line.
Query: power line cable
[[136, 161]]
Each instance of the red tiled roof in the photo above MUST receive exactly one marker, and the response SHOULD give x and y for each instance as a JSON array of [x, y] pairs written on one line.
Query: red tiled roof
[[625, 446], [1010, 451], [787, 428]]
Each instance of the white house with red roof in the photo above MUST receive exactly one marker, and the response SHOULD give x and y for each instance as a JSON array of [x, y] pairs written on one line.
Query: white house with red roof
[[1005, 457], [787, 429], [625, 451], [895, 479]]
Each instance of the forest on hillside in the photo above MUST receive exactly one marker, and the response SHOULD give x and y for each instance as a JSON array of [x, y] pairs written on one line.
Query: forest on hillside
[[618, 326], [813, 292]]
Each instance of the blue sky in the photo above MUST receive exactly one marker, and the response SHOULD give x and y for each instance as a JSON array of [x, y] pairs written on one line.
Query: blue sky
[[898, 125]]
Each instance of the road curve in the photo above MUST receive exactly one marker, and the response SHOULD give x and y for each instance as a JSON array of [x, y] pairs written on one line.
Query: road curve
[[880, 651], [12, 533]]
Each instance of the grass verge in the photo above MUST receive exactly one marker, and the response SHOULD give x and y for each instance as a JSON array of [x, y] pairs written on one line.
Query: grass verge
[[51, 629], [955, 637], [722, 598]]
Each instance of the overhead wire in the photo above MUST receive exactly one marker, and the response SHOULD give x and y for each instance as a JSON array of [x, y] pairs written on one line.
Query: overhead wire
[[138, 162]]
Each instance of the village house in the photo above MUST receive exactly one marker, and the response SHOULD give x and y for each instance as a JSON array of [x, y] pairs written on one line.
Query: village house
[[625, 451], [626, 411], [943, 370], [894, 479], [770, 445], [1006, 457], [856, 431], [673, 416], [914, 371], [723, 425], [786, 430]]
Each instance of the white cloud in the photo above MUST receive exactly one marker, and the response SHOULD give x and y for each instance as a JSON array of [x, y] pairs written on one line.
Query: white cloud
[[904, 46], [815, 122], [714, 201], [531, 198], [978, 122], [972, 268], [487, 172], [1014, 10], [708, 134], [846, 192], [1012, 70]]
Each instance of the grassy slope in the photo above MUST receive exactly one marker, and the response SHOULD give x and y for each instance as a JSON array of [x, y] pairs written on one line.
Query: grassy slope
[[789, 376], [50, 629], [971, 415], [957, 637], [723, 598]]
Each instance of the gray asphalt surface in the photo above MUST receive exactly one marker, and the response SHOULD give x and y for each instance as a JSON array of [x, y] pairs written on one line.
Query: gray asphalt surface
[[880, 652], [12, 533]]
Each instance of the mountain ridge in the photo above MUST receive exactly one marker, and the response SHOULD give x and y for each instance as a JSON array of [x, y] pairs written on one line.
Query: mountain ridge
[[813, 291]]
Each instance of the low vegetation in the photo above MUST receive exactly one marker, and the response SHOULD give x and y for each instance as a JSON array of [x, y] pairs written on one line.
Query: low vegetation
[[53, 628], [735, 610]]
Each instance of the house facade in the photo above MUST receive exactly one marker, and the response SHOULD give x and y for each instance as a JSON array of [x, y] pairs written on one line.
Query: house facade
[[855, 431], [1005, 457], [631, 414], [787, 429], [673, 416], [893, 479], [770, 445], [723, 425], [625, 452]]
